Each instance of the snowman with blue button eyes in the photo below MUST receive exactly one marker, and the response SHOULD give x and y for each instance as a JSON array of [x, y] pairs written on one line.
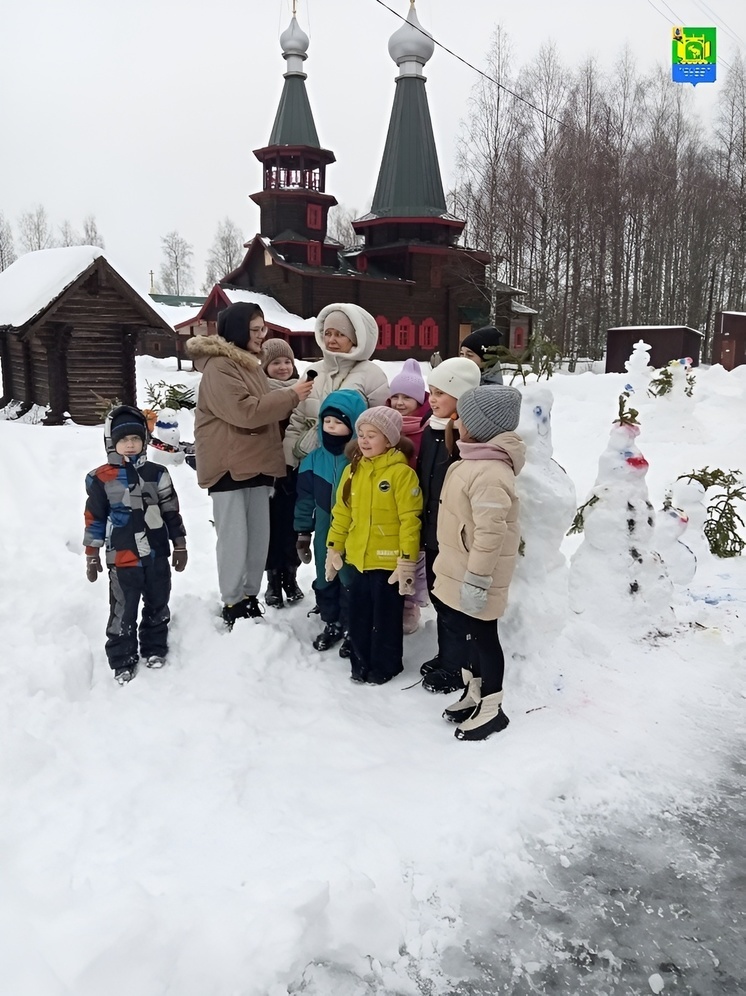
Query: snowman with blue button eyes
[[617, 577], [537, 605], [165, 446]]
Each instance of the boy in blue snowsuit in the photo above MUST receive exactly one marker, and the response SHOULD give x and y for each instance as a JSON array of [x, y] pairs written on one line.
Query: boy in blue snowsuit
[[133, 512], [318, 476]]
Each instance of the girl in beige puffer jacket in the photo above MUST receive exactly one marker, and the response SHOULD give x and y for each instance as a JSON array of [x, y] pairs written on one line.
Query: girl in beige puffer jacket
[[478, 538]]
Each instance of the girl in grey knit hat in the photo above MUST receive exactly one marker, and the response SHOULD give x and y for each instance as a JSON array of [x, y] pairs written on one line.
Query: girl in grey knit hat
[[478, 538]]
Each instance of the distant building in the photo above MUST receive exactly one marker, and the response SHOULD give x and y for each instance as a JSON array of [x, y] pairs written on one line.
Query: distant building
[[667, 342], [70, 326], [425, 290], [281, 323], [729, 339]]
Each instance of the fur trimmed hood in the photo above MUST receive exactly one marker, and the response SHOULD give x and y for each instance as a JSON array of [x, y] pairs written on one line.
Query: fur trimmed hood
[[202, 348]]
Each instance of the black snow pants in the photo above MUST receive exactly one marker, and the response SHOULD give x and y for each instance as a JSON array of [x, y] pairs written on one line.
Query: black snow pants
[[376, 615], [470, 643], [127, 585]]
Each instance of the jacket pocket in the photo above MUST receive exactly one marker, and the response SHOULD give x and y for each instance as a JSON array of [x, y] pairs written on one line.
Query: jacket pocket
[[462, 539]]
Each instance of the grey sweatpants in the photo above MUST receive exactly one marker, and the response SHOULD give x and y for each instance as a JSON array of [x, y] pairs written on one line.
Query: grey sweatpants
[[242, 524]]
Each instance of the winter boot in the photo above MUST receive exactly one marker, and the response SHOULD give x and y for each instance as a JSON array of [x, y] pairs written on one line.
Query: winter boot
[[125, 673], [155, 661], [487, 718], [467, 702], [411, 617], [289, 583], [443, 680], [332, 634], [431, 665], [273, 594], [345, 648], [247, 608], [251, 609]]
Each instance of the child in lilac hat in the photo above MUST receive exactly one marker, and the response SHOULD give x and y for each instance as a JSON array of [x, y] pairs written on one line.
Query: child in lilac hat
[[409, 397]]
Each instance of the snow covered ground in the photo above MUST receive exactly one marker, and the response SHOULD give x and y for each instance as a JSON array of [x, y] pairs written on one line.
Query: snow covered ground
[[247, 822]]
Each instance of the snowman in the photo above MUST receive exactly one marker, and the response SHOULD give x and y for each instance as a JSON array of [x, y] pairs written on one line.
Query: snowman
[[680, 560], [639, 369], [537, 606], [616, 575], [165, 440], [689, 497]]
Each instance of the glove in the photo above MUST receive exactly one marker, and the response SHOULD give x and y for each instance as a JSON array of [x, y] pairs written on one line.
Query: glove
[[333, 565], [474, 593], [93, 566], [179, 559], [404, 575], [303, 546]]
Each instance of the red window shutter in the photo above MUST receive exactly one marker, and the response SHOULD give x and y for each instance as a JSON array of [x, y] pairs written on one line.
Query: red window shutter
[[314, 254], [384, 332], [428, 334], [362, 263], [404, 333], [313, 216]]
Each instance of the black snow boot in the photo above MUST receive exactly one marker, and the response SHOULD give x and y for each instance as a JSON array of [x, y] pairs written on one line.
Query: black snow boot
[[125, 672], [431, 665], [289, 583], [332, 634], [345, 649], [443, 680], [273, 594]]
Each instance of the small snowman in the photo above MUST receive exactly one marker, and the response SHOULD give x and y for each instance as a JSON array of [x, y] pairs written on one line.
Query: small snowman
[[639, 369], [680, 560], [616, 575], [537, 606], [689, 496], [165, 440]]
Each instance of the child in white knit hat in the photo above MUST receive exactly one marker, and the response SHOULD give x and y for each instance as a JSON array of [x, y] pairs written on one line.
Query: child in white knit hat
[[375, 531], [447, 382]]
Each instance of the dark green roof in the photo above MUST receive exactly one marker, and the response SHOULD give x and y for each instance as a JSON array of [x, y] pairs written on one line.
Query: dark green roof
[[409, 183], [294, 123]]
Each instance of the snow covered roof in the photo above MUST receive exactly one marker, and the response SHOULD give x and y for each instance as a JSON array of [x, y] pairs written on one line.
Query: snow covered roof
[[648, 328], [522, 309], [174, 314], [274, 312], [36, 279]]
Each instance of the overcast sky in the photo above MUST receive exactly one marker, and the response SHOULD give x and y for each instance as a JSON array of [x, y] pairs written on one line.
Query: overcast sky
[[145, 113]]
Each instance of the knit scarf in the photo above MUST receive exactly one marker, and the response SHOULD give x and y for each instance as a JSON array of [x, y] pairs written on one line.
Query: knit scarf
[[482, 451]]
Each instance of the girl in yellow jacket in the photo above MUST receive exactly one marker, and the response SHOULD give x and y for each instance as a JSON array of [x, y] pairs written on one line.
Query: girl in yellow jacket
[[375, 530]]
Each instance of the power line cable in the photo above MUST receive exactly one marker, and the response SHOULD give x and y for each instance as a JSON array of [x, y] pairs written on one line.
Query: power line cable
[[481, 72], [545, 113], [728, 30]]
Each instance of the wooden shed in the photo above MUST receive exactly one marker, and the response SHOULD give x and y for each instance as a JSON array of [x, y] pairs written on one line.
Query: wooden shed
[[70, 326], [667, 342], [729, 339]]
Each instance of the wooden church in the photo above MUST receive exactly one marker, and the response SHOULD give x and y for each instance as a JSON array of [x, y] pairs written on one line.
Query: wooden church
[[425, 291]]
